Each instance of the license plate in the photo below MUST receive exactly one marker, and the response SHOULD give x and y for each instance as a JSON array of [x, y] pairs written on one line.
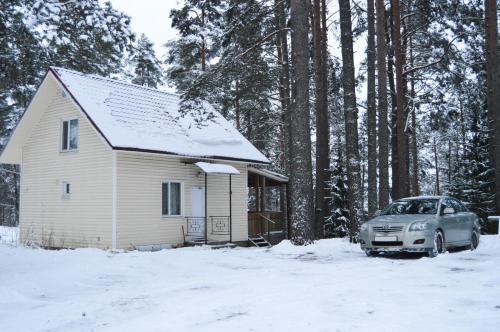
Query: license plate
[[386, 238]]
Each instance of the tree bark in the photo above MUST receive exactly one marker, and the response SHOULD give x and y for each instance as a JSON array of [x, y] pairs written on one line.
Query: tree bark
[[351, 117], [436, 165], [403, 188], [301, 189], [284, 84], [415, 187], [372, 113], [492, 91], [322, 118], [392, 89], [383, 130]]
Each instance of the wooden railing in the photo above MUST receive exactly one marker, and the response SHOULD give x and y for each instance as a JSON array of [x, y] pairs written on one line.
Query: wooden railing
[[265, 223]]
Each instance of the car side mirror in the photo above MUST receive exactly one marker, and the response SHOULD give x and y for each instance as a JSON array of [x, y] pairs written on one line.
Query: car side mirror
[[449, 210], [377, 213]]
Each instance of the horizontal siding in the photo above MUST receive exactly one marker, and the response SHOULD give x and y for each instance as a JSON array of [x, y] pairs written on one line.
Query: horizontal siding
[[84, 219], [139, 214]]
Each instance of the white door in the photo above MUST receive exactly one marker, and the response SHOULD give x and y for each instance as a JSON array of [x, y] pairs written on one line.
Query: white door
[[197, 224]]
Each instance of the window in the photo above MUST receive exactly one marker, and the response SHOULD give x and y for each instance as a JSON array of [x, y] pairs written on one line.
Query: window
[[171, 201], [66, 189], [69, 135]]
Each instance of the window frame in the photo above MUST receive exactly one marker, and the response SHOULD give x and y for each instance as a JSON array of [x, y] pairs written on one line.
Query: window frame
[[68, 137], [181, 197]]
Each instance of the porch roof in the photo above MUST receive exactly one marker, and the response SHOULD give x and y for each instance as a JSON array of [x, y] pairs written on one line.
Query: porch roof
[[268, 174], [209, 168]]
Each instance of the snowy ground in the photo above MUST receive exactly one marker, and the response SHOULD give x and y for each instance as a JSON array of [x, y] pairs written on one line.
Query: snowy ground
[[329, 286]]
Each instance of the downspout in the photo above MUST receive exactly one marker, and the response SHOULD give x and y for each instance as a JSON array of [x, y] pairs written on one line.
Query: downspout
[[206, 210], [230, 211], [113, 211]]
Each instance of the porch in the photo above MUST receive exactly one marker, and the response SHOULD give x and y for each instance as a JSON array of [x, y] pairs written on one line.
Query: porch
[[267, 208], [266, 218]]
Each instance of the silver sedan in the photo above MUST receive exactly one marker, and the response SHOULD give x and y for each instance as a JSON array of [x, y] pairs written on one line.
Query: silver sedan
[[430, 224]]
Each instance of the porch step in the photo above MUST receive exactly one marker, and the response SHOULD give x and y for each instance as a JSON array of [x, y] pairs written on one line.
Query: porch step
[[259, 241]]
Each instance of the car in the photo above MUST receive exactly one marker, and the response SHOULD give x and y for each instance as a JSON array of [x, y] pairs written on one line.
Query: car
[[425, 224]]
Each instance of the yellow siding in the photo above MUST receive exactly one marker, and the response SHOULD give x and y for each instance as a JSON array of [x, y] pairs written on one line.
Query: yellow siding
[[84, 219], [139, 214]]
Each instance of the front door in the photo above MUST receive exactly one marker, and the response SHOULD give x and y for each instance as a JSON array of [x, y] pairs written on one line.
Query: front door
[[197, 223]]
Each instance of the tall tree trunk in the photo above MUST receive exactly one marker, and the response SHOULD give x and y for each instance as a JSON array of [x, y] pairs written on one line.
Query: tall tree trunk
[[436, 165], [414, 149], [372, 113], [392, 88], [351, 117], [492, 92], [404, 185], [301, 189], [203, 51], [322, 118], [284, 80], [383, 129]]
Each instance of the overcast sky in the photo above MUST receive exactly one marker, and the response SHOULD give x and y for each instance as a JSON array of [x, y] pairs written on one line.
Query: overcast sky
[[150, 17]]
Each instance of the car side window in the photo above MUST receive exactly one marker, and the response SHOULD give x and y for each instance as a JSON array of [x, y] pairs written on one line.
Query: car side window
[[444, 205], [457, 206]]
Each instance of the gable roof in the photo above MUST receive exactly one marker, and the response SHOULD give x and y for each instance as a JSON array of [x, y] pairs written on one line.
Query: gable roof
[[133, 117]]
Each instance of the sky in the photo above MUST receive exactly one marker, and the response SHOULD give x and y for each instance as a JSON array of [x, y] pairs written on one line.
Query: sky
[[150, 17]]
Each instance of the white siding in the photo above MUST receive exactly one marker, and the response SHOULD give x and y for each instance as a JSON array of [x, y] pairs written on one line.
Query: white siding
[[139, 213], [46, 217]]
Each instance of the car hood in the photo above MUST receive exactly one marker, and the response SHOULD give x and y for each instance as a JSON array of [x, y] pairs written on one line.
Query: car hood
[[401, 218]]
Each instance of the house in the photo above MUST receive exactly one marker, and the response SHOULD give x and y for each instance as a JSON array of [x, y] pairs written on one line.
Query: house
[[110, 164]]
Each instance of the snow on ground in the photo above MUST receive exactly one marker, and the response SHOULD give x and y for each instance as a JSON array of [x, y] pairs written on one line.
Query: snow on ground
[[329, 286], [9, 235]]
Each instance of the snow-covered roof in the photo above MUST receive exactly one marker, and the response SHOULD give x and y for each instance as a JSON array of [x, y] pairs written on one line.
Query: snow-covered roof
[[133, 117], [216, 168], [269, 174]]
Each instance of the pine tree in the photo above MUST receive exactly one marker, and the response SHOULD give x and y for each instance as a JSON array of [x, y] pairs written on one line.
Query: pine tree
[[147, 68], [86, 36], [372, 113], [351, 117], [301, 187]]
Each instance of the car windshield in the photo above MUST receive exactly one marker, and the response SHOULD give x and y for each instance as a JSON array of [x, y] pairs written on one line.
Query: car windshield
[[412, 206]]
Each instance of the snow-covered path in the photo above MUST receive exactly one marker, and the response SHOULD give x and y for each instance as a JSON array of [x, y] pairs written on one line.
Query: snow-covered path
[[329, 286]]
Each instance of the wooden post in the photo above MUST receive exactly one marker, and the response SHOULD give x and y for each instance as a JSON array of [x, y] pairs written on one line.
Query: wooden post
[[263, 196], [257, 194]]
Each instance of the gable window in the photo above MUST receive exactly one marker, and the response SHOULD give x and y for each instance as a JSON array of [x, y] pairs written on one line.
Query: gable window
[[66, 189], [171, 198], [69, 135]]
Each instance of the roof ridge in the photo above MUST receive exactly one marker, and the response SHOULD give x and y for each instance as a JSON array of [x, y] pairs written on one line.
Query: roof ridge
[[99, 77]]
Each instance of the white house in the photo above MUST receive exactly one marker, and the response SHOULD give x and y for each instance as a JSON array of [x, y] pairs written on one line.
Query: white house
[[113, 165]]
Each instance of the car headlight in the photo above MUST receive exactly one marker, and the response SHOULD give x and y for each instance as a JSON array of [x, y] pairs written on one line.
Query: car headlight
[[364, 227], [419, 226]]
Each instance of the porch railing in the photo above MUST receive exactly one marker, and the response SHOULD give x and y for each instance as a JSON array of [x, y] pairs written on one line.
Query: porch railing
[[265, 223], [217, 225]]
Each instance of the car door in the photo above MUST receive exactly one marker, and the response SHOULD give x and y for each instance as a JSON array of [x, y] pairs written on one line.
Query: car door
[[448, 222], [464, 222]]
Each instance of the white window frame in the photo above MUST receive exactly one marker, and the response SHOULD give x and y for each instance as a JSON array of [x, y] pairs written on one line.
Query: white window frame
[[65, 194], [181, 198], [61, 143]]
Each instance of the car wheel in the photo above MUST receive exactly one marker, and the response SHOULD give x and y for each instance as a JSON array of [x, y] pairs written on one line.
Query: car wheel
[[438, 247], [371, 253], [474, 241]]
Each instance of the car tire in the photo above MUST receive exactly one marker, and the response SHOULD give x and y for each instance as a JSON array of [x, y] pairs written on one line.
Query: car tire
[[371, 253], [474, 240], [438, 247]]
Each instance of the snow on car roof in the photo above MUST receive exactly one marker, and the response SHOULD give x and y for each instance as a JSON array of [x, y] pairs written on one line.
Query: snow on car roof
[[133, 117]]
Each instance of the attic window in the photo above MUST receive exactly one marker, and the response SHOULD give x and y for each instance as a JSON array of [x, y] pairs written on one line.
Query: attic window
[[69, 135]]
